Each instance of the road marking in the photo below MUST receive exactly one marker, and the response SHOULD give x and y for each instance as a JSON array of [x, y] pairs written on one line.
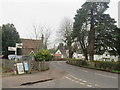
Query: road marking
[[68, 78], [89, 85], [78, 78], [105, 75], [83, 81]]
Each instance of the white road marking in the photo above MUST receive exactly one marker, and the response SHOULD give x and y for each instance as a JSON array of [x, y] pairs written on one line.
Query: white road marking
[[83, 81], [106, 75], [68, 78]]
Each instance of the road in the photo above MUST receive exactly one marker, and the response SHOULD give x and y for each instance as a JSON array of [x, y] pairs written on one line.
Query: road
[[78, 77]]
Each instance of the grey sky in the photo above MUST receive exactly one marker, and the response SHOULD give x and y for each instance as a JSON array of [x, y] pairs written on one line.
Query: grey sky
[[24, 13]]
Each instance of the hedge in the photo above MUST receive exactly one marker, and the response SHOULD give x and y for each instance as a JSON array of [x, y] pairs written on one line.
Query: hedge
[[102, 65], [77, 62], [107, 65]]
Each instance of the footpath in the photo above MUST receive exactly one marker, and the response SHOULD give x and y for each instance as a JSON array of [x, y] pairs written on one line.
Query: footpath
[[14, 81]]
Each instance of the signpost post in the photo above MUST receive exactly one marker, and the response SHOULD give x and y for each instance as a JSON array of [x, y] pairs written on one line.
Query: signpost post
[[18, 66]]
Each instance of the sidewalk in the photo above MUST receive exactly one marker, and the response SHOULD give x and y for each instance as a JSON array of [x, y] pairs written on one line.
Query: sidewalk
[[12, 81]]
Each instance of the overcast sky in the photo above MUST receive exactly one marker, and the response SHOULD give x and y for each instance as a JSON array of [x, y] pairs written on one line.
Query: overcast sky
[[24, 13]]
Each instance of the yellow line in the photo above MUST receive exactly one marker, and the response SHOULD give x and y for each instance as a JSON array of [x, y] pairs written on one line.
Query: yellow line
[[89, 85]]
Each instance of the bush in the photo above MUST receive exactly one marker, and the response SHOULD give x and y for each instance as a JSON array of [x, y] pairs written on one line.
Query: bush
[[77, 62], [43, 55]]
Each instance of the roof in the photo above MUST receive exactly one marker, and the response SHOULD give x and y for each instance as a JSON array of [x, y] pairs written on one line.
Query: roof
[[57, 55], [63, 52], [31, 43]]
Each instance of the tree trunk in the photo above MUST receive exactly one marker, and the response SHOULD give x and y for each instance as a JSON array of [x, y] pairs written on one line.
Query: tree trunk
[[70, 54], [91, 38], [85, 54], [84, 50]]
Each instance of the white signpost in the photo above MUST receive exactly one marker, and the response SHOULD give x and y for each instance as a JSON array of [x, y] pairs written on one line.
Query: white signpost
[[18, 45], [20, 68], [12, 48]]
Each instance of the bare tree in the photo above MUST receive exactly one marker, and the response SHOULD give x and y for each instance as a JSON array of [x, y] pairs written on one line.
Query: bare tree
[[47, 34], [65, 34], [41, 33]]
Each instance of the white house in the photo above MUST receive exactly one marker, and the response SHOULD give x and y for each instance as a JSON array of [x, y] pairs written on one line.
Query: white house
[[105, 57], [77, 56], [60, 54]]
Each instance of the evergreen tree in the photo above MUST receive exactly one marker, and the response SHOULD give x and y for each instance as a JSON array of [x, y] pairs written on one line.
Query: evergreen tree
[[9, 38], [93, 28]]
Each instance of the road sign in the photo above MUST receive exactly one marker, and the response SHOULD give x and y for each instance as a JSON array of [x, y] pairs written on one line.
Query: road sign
[[26, 66], [11, 48], [20, 68], [19, 45]]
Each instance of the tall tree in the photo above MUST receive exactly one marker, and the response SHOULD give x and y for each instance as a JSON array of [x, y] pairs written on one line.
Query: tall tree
[[61, 46], [95, 24], [9, 38], [117, 42]]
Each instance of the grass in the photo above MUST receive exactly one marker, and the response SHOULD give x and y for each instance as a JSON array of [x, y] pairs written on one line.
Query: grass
[[116, 71]]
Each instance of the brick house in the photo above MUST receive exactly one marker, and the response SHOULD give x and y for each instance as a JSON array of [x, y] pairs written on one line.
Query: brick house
[[30, 45]]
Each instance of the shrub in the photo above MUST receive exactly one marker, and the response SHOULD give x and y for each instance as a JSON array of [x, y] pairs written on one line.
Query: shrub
[[117, 66], [43, 55], [107, 65], [77, 62]]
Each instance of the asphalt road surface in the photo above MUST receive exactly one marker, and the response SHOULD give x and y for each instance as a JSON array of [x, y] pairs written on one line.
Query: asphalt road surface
[[78, 77]]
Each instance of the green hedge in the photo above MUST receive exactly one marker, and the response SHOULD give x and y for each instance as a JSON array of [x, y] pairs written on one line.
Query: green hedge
[[103, 65], [107, 65], [77, 62]]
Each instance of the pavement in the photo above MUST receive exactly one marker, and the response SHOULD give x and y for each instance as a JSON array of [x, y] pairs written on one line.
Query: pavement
[[64, 76], [15, 81]]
